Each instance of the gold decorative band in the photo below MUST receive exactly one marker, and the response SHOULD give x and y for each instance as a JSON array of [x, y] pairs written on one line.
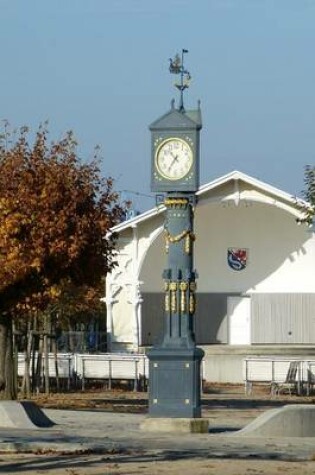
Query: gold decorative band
[[167, 302], [173, 286], [176, 201], [173, 302], [183, 287], [192, 304], [192, 286]]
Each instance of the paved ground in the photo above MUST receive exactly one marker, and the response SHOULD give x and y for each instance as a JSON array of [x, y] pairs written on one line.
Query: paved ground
[[99, 441]]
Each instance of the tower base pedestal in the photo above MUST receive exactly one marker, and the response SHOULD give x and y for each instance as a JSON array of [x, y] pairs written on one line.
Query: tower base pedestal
[[175, 382], [178, 424]]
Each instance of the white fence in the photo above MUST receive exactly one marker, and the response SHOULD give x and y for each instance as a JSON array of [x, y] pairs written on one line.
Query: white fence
[[113, 367], [292, 373], [79, 368]]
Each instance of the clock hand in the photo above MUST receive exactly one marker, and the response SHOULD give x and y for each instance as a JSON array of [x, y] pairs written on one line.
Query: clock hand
[[175, 159]]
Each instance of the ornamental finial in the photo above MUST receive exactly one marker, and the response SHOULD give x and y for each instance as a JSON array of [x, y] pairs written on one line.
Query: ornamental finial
[[177, 67]]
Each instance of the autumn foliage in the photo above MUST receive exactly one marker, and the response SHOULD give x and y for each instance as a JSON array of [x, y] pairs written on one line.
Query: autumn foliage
[[55, 211], [54, 215]]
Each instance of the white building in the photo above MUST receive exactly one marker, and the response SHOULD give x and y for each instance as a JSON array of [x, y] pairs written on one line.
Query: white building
[[255, 287]]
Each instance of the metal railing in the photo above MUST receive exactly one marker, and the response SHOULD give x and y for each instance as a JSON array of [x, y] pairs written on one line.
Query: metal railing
[[76, 368], [290, 372]]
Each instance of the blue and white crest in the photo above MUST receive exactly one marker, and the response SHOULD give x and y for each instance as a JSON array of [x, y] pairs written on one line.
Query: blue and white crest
[[237, 258]]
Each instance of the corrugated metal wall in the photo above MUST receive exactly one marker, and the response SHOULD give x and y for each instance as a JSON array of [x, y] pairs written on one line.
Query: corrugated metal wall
[[275, 318], [283, 318]]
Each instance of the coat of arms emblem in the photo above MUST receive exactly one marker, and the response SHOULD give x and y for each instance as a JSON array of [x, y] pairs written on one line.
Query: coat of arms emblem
[[237, 258]]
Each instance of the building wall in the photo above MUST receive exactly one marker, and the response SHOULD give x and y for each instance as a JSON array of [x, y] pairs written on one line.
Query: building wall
[[124, 285], [275, 318], [281, 256], [278, 278]]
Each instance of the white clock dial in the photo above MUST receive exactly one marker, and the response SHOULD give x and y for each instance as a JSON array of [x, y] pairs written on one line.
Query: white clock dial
[[174, 159]]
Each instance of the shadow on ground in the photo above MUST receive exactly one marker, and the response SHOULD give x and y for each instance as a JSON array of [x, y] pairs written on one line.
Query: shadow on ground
[[41, 463]]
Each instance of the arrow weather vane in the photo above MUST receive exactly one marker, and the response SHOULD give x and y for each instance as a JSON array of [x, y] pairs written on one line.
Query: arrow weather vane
[[177, 67]]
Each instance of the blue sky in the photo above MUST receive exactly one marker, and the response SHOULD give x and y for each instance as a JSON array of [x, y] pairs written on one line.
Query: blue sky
[[100, 68]]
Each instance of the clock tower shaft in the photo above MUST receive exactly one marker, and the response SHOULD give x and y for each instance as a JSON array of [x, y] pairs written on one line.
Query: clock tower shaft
[[179, 277], [175, 364]]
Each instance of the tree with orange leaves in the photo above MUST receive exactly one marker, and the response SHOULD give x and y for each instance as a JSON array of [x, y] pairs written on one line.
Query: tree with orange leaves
[[54, 215]]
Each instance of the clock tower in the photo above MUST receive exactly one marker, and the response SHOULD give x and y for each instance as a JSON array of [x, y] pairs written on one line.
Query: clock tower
[[175, 151], [175, 363]]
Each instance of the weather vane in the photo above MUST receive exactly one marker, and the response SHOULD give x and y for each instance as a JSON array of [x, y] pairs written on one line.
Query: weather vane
[[177, 67]]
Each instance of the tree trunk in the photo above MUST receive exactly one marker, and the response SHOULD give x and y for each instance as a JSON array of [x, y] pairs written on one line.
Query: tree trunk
[[6, 358], [55, 352], [39, 365], [15, 357], [3, 339], [26, 384], [46, 355], [34, 353], [71, 338]]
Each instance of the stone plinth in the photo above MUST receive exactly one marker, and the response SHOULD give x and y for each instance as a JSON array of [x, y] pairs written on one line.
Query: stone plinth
[[176, 424]]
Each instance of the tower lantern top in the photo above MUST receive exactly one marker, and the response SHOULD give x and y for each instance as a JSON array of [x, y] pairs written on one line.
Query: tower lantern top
[[177, 67]]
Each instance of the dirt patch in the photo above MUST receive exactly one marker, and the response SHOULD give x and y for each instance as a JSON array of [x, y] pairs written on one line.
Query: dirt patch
[[102, 465], [214, 397]]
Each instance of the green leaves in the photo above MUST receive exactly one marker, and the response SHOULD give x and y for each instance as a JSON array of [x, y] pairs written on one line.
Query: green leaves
[[309, 180], [309, 192]]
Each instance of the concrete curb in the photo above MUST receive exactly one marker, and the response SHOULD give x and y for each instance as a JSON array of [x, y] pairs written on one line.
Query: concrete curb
[[23, 415], [296, 420]]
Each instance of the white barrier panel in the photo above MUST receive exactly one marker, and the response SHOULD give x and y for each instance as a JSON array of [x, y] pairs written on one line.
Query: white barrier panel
[[109, 366]]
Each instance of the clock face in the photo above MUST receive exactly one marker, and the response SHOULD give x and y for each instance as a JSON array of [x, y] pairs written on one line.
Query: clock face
[[174, 159]]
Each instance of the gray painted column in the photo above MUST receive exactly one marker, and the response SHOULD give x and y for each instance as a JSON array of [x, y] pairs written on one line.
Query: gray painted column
[[175, 363]]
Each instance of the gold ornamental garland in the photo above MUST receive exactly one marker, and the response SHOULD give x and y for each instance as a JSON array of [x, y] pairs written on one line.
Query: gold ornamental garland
[[189, 239], [187, 234], [176, 238]]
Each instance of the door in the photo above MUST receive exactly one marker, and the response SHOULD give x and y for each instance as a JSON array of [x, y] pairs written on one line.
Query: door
[[239, 320]]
